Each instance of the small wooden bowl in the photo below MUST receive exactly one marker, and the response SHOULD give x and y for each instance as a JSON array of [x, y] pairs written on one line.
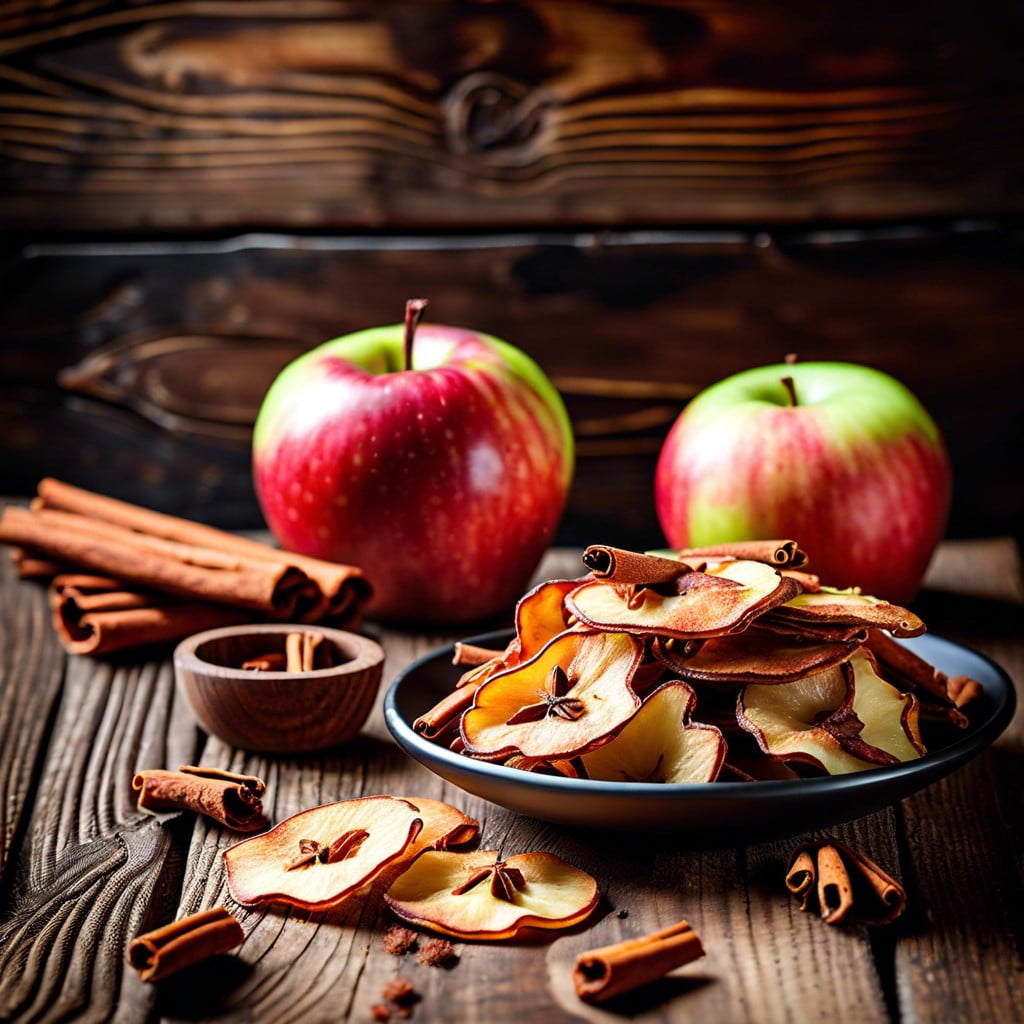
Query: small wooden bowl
[[278, 712]]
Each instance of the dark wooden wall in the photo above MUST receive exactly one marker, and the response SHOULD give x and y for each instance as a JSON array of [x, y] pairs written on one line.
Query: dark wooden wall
[[645, 196]]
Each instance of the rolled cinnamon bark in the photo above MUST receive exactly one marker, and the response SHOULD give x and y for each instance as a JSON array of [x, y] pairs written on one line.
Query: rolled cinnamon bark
[[843, 885], [179, 569], [233, 800], [169, 949], [31, 567], [102, 620], [921, 674], [780, 553], [344, 589], [620, 566], [609, 971]]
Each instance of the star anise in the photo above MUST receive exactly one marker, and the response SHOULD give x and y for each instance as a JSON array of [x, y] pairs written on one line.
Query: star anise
[[504, 881], [554, 701], [313, 852]]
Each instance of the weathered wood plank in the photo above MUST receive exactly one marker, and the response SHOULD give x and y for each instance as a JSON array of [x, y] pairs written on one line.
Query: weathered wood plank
[[31, 670], [90, 863], [958, 957], [91, 872], [165, 115]]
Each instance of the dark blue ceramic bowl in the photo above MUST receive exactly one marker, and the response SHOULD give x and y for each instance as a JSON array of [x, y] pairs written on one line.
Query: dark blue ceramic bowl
[[717, 812]]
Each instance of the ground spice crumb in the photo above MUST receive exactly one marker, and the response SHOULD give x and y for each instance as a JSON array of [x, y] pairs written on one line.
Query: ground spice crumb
[[380, 1011], [399, 992], [437, 953], [398, 940]]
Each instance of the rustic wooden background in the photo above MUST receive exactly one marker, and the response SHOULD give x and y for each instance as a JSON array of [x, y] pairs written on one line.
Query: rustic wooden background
[[645, 196]]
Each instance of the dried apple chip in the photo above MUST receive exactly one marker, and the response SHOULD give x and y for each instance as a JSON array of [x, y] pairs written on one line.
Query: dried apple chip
[[660, 743], [541, 615], [444, 826], [318, 858], [572, 694], [753, 656], [890, 717], [701, 604], [849, 607], [479, 896], [804, 720]]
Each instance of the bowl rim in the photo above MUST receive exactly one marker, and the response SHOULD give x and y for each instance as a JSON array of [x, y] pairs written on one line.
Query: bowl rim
[[369, 654], [931, 767]]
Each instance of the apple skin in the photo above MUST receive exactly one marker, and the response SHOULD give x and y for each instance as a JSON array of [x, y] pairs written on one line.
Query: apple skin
[[444, 483], [856, 472]]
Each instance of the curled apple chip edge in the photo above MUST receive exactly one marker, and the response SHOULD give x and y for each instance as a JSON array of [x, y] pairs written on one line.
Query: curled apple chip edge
[[541, 615], [568, 697], [318, 858], [724, 599], [889, 715], [661, 743], [850, 607], [754, 655], [479, 896], [802, 721], [444, 826]]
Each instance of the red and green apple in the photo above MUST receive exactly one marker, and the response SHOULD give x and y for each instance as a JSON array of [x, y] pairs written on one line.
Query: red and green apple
[[841, 457], [438, 459]]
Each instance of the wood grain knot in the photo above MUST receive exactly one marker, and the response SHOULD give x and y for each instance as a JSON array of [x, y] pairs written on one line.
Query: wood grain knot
[[489, 115]]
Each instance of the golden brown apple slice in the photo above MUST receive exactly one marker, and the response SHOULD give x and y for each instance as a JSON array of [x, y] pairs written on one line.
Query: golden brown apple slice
[[444, 826], [702, 604], [753, 656], [802, 721], [541, 615], [572, 694], [660, 743], [890, 717], [479, 896], [849, 607], [318, 858]]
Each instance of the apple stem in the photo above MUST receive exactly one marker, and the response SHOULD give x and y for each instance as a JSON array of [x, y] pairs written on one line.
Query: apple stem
[[413, 311], [790, 386]]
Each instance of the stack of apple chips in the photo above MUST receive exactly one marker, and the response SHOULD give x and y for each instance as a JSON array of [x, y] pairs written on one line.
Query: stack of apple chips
[[729, 662]]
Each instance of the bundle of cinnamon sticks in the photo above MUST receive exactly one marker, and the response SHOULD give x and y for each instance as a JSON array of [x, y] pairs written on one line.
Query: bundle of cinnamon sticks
[[126, 576]]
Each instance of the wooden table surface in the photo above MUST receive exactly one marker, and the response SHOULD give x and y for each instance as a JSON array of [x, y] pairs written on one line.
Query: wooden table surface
[[83, 871]]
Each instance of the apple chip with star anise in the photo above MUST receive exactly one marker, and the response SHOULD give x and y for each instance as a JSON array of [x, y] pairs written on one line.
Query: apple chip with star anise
[[767, 651], [481, 896], [567, 698], [316, 859]]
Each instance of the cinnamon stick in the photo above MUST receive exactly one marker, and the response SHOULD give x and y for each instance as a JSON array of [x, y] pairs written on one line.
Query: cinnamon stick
[[344, 589], [445, 715], [30, 567], [166, 565], [104, 630], [620, 566], [843, 885], [609, 971], [780, 553], [470, 654], [919, 673], [232, 799], [169, 949]]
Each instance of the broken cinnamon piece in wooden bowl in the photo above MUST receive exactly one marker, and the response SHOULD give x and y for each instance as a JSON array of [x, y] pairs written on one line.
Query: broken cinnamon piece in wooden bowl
[[322, 701]]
